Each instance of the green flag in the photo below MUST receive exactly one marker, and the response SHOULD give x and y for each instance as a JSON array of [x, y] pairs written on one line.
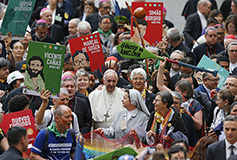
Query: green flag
[[17, 17], [131, 50]]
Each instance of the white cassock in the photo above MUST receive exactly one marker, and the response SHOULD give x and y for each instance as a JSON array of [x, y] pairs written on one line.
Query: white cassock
[[105, 106]]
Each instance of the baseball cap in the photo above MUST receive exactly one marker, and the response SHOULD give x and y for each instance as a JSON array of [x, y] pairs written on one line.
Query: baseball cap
[[14, 76]]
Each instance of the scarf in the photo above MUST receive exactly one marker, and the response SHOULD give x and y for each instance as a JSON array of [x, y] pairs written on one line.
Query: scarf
[[106, 34], [52, 128], [158, 118]]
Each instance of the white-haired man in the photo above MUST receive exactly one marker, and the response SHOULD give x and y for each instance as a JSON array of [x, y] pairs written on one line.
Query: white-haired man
[[106, 103]]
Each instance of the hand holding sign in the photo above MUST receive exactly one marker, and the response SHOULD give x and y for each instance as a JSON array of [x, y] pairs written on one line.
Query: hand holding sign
[[131, 50]]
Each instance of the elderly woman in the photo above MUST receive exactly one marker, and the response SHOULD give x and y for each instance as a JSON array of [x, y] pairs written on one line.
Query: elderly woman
[[135, 114], [138, 78], [165, 121], [83, 82]]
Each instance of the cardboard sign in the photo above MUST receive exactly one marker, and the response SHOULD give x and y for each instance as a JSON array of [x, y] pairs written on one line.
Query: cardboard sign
[[43, 68], [22, 118], [17, 17], [207, 63], [87, 52], [151, 25]]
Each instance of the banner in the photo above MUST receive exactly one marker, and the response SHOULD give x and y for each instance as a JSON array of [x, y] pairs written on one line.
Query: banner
[[87, 52], [207, 63], [151, 26], [43, 68], [17, 17]]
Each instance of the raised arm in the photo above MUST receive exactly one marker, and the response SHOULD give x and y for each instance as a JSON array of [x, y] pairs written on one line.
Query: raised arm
[[160, 80], [39, 117]]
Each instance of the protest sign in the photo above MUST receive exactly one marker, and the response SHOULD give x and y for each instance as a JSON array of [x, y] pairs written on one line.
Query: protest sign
[[44, 68], [131, 50], [22, 118], [151, 26], [87, 52], [17, 17], [207, 63]]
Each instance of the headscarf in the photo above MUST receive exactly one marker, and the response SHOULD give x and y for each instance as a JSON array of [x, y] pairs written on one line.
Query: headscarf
[[136, 99]]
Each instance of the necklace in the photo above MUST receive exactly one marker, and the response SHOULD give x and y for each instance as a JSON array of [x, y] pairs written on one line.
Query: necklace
[[109, 103]]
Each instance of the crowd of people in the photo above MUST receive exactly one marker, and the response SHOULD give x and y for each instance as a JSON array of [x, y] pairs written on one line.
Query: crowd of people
[[173, 106]]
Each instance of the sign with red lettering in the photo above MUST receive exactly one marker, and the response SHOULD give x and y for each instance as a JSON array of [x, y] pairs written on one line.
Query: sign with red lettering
[[87, 52], [22, 118], [150, 26]]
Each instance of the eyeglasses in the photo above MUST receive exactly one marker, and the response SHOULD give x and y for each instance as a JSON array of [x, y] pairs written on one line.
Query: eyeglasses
[[220, 33], [107, 8], [213, 80], [140, 79], [212, 35], [229, 84], [175, 102], [80, 62], [84, 34]]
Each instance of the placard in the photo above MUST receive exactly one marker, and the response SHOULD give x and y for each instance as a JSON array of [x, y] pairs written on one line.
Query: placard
[[43, 68], [22, 118], [207, 63], [17, 17], [151, 25], [87, 52]]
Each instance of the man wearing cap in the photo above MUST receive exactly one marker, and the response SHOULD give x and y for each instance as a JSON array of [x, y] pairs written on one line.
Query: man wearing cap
[[104, 9], [15, 79], [228, 39], [41, 32]]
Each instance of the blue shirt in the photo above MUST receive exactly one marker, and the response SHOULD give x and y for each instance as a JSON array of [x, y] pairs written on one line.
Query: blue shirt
[[57, 147]]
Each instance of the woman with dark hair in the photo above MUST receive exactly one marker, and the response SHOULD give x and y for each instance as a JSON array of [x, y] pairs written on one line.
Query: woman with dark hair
[[231, 25], [86, 8], [106, 34], [200, 150], [164, 121], [224, 100], [217, 15]]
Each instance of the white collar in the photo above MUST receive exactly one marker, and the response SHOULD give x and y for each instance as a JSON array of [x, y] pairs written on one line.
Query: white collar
[[228, 144], [200, 14]]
